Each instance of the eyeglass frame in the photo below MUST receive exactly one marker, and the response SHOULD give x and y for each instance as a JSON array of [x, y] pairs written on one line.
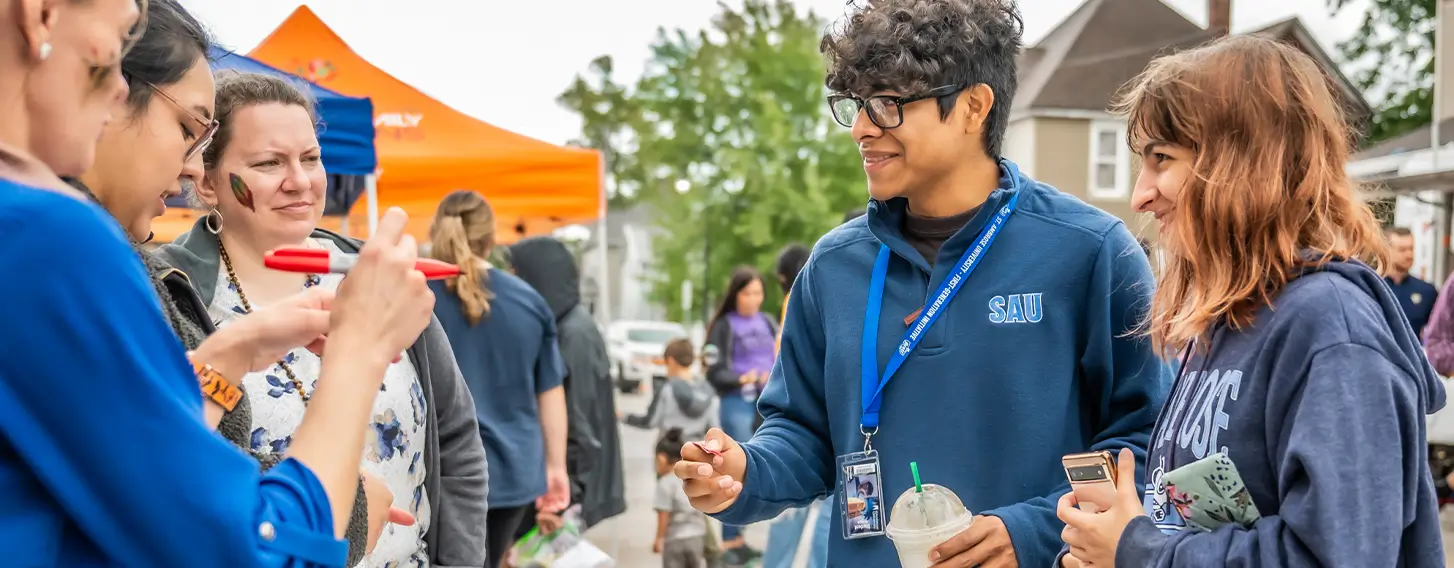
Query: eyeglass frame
[[209, 128], [899, 102]]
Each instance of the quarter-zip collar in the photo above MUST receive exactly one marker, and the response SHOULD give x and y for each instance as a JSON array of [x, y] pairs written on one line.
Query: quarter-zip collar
[[886, 218]]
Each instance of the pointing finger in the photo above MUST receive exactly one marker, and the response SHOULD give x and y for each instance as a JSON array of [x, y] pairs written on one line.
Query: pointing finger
[[391, 227]]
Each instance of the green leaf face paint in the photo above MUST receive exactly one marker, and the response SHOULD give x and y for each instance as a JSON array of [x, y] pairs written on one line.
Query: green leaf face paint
[[241, 191]]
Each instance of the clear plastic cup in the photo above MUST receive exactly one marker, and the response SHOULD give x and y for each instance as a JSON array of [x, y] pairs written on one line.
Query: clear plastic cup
[[921, 521]]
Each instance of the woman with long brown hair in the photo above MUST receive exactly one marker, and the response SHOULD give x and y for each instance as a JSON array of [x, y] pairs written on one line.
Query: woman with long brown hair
[[504, 337], [739, 354], [1294, 435]]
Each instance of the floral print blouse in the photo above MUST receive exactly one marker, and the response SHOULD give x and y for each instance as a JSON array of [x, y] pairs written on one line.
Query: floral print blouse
[[394, 450]]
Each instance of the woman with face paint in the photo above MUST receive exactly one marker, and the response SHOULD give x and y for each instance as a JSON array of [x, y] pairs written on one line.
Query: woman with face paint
[[151, 151], [264, 188], [87, 354]]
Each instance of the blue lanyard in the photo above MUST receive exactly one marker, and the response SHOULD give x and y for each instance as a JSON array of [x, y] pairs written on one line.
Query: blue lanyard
[[873, 386]]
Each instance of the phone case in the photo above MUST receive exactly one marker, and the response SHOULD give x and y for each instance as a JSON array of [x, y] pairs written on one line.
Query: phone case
[[1099, 486], [1209, 493]]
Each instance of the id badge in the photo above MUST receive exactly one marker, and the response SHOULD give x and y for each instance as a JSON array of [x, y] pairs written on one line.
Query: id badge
[[861, 493]]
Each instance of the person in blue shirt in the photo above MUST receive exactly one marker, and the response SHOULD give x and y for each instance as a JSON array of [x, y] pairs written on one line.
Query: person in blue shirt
[[504, 338], [1299, 367], [105, 457], [995, 372], [1416, 297]]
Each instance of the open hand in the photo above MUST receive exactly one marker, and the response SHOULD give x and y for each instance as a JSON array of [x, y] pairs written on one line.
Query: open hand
[[257, 340], [1092, 537], [985, 543], [712, 483]]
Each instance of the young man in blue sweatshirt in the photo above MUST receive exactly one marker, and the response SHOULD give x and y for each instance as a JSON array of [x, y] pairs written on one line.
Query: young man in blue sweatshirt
[[999, 307]]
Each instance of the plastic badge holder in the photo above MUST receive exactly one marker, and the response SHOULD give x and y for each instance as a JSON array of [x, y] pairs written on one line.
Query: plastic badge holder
[[924, 517]]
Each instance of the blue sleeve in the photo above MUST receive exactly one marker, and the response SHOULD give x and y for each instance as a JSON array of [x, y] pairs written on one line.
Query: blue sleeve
[[1123, 385], [100, 404], [549, 367], [789, 459], [1334, 510]]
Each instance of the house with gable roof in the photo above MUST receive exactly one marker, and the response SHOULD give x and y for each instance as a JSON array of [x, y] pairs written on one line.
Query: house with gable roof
[[1061, 132]]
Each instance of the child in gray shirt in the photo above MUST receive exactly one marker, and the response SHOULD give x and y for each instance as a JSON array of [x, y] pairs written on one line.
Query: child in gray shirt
[[681, 531], [684, 402]]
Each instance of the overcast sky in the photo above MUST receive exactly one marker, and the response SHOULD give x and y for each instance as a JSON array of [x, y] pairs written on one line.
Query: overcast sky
[[504, 61]]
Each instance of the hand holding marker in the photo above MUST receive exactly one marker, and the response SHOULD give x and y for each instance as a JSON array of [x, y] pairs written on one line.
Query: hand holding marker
[[318, 261]]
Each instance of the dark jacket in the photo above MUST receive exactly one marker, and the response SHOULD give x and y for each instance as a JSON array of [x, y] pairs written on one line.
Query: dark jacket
[[455, 475], [593, 453], [717, 355]]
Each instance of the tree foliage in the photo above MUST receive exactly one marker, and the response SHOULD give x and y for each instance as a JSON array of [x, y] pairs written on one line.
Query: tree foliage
[[738, 112], [1391, 58]]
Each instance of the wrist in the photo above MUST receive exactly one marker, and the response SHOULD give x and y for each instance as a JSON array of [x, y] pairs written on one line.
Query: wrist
[[224, 354], [365, 354]]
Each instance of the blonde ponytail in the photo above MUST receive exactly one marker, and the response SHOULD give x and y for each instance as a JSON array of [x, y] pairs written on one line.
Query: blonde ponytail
[[462, 234]]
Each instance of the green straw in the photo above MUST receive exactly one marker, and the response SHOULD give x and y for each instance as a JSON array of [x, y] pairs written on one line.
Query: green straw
[[914, 467]]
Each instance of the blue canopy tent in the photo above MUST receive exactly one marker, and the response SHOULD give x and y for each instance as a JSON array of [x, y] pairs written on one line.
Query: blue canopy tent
[[346, 132]]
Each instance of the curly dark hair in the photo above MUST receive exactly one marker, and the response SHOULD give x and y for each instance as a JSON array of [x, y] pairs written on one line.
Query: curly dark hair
[[911, 46]]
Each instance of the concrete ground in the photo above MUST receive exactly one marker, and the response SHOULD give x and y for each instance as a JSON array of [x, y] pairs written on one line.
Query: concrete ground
[[628, 537]]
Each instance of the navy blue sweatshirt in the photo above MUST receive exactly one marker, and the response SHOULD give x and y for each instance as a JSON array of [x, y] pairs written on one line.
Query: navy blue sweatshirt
[[1321, 406], [1029, 362]]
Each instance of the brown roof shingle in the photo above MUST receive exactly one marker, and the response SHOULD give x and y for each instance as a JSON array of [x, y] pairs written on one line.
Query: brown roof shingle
[[1090, 55]]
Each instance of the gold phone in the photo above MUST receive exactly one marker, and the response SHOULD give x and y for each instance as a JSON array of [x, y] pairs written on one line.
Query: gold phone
[[1092, 478]]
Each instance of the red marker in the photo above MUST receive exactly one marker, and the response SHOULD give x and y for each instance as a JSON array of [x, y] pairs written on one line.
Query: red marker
[[320, 261]]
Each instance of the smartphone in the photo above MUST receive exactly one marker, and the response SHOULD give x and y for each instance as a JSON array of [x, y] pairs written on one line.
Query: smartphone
[[1092, 478]]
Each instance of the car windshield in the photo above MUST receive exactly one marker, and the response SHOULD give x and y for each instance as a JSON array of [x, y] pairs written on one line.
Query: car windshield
[[653, 335]]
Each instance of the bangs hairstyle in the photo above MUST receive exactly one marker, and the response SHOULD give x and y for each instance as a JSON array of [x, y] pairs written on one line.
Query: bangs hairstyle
[[1268, 196]]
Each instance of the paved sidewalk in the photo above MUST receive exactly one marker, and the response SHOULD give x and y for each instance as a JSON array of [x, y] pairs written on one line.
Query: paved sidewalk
[[628, 537]]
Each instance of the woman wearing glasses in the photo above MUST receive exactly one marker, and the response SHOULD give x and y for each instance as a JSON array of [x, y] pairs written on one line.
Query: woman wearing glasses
[[167, 114], [88, 356]]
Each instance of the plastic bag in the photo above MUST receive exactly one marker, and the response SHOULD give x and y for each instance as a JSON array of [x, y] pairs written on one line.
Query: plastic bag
[[564, 548]]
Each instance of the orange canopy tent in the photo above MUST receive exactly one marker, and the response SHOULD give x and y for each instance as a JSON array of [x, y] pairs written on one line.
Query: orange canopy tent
[[427, 149]]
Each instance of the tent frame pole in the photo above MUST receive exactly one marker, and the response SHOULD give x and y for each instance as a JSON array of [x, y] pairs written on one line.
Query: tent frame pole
[[371, 196], [603, 246]]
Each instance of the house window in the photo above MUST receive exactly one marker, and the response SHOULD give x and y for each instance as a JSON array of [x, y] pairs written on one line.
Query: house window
[[1109, 176]]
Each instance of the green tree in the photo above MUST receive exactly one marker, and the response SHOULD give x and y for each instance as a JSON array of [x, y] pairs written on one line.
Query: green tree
[[1391, 59], [734, 114]]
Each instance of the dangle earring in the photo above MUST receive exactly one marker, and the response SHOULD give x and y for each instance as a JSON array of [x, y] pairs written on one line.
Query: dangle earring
[[214, 228], [44, 51]]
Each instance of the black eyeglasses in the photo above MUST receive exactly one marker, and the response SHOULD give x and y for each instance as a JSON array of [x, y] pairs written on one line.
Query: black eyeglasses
[[209, 127], [886, 111]]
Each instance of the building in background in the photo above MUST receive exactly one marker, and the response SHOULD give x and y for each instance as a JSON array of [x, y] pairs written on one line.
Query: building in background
[[1061, 132], [1418, 179], [630, 263]]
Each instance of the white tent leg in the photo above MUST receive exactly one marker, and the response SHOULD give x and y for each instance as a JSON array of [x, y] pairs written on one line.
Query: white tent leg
[[604, 289], [371, 195]]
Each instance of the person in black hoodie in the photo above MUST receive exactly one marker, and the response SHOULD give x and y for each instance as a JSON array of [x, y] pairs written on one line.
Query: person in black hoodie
[[593, 444]]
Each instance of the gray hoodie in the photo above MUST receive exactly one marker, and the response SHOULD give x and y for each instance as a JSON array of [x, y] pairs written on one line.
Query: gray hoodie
[[688, 405], [1321, 407]]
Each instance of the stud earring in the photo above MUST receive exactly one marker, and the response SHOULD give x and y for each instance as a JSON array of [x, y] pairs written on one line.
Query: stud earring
[[44, 51]]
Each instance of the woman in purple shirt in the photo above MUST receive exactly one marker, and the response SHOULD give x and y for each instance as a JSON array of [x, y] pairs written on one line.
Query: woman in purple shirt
[[741, 348]]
